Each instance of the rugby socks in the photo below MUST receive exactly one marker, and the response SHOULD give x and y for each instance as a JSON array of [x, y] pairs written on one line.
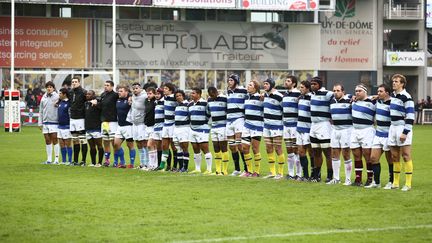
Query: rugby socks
[[69, 152], [76, 151], [174, 155], [153, 158], [376, 168], [107, 155], [93, 152], [271, 161], [298, 166], [281, 162], [63, 154], [84, 152], [101, 155], [291, 162], [164, 157], [236, 159], [304, 164], [185, 161], [348, 169], [168, 161], [116, 158], [257, 163], [248, 161], [159, 157], [396, 173], [225, 161], [218, 162], [330, 173], [244, 161], [369, 172], [141, 156], [56, 152], [390, 169], [336, 168], [121, 156], [358, 170], [132, 154], [48, 149], [208, 158], [180, 159], [408, 172], [197, 160]]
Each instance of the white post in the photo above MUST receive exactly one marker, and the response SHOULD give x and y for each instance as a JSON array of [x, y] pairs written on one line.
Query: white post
[[114, 46], [12, 72]]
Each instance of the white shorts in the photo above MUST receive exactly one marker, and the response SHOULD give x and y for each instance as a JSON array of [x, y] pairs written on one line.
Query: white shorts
[[109, 129], [148, 133], [394, 136], [303, 138], [249, 133], [124, 132], [381, 143], [49, 128], [362, 137], [341, 138], [157, 135], [290, 132], [181, 134], [168, 131], [76, 125], [198, 137], [234, 127], [272, 133], [64, 134], [139, 132], [94, 134], [321, 130], [218, 134]]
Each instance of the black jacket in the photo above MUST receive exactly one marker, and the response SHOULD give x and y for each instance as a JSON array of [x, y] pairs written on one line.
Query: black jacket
[[77, 109], [149, 117], [92, 117], [107, 105]]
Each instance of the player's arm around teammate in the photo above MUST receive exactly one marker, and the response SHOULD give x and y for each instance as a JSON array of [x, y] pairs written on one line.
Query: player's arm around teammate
[[93, 130], [181, 131]]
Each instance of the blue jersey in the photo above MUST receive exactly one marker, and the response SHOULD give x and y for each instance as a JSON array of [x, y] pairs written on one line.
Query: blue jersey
[[199, 116], [123, 108], [159, 115], [363, 113], [402, 111], [290, 107], [218, 111], [235, 105], [170, 104], [341, 112], [273, 111], [182, 115], [304, 114], [382, 117], [63, 114], [254, 112], [320, 105]]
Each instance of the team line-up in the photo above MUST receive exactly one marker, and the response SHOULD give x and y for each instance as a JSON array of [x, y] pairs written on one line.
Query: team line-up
[[163, 123]]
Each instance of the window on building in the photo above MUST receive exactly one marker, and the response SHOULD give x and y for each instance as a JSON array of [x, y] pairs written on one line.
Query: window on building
[[38, 10], [195, 79], [129, 13], [5, 9], [231, 15], [297, 16], [171, 76], [195, 14], [265, 17]]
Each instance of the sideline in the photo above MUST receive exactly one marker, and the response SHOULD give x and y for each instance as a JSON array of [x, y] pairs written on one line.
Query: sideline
[[306, 233]]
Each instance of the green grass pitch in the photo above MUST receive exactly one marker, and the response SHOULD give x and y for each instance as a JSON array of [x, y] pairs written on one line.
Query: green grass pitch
[[42, 203]]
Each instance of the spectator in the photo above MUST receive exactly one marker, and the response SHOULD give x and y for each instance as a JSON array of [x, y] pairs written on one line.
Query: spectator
[[419, 106], [39, 97], [32, 102]]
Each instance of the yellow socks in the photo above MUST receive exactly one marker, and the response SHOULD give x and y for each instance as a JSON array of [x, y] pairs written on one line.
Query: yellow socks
[[271, 161], [408, 172], [396, 173], [218, 162], [257, 163], [225, 160], [281, 161], [248, 161]]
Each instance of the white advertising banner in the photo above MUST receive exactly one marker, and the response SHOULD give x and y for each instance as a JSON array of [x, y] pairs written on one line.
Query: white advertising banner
[[429, 14], [348, 36], [414, 59], [196, 3], [192, 45], [291, 5]]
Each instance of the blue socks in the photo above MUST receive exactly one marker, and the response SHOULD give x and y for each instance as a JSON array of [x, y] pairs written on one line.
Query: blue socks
[[69, 153], [63, 153], [132, 153]]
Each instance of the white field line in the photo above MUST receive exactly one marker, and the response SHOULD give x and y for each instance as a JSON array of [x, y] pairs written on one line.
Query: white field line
[[327, 232]]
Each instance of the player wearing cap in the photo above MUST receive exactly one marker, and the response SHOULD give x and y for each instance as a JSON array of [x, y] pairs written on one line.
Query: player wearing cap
[[273, 128], [363, 113], [235, 119]]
